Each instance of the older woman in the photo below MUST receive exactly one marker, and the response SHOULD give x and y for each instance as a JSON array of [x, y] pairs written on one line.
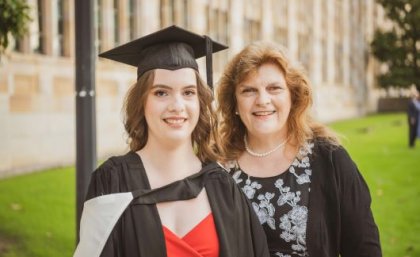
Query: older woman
[[308, 193]]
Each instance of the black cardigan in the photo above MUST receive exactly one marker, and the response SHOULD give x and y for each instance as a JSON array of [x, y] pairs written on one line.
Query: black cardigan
[[340, 220]]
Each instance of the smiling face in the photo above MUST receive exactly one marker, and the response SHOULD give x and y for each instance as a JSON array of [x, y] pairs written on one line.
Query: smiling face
[[264, 102], [172, 106]]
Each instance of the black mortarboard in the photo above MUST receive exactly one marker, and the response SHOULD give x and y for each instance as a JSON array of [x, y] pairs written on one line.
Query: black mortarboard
[[171, 48]]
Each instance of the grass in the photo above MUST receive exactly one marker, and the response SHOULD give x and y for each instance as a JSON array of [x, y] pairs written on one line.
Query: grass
[[37, 214], [37, 211], [379, 146]]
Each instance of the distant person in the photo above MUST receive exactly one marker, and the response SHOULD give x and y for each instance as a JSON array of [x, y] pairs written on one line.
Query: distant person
[[168, 197], [414, 117], [307, 191]]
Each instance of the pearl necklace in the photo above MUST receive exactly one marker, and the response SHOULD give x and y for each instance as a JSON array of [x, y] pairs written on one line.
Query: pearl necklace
[[263, 154]]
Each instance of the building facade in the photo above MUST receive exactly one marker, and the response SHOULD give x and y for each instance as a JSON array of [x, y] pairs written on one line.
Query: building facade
[[37, 84]]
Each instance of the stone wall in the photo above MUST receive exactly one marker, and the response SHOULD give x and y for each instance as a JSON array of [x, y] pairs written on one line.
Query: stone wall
[[37, 112], [393, 104]]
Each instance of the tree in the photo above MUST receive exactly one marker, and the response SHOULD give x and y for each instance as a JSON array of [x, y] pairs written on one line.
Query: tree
[[14, 20], [399, 47]]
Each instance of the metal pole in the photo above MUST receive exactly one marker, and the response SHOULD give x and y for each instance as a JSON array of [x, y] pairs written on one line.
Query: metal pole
[[85, 101]]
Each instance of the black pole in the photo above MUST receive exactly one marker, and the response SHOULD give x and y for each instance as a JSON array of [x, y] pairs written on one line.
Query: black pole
[[85, 101]]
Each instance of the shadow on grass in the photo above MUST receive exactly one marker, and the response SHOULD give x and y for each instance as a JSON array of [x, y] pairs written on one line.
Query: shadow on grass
[[7, 245]]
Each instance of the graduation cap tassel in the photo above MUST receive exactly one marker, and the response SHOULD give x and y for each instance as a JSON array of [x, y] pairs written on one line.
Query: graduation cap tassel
[[209, 61]]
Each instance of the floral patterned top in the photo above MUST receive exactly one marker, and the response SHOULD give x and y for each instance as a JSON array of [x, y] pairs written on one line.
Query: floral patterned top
[[281, 203]]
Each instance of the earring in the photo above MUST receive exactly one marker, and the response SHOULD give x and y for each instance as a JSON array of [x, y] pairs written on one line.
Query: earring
[[237, 113]]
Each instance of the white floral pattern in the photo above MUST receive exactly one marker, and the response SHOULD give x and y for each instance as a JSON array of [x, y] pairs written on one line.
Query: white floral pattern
[[265, 210], [291, 190], [249, 188], [282, 255]]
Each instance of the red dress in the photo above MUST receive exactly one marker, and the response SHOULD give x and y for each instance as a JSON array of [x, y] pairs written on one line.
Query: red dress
[[201, 241]]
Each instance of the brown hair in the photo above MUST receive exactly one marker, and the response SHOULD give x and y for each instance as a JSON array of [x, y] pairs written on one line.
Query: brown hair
[[203, 136], [301, 126]]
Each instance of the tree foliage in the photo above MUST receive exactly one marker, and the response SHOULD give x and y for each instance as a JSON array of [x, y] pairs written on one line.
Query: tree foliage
[[14, 20], [399, 47]]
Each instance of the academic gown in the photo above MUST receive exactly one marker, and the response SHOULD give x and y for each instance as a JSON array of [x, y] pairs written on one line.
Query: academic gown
[[122, 205]]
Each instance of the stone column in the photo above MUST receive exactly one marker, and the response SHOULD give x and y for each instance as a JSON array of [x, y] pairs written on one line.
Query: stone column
[[24, 44], [68, 33], [107, 25], [316, 62], [315, 68], [292, 35], [346, 43], [370, 70], [123, 22], [47, 26], [165, 13], [330, 47], [149, 18], [137, 24], [198, 16], [179, 13], [236, 18], [267, 20]]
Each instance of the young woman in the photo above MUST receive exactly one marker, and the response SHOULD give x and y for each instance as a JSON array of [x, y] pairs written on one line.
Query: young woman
[[167, 196], [308, 193]]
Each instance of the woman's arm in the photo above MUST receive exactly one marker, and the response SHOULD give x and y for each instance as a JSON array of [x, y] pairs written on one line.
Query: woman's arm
[[359, 233]]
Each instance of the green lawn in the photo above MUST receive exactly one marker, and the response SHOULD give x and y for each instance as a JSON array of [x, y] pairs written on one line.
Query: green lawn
[[37, 214], [379, 146], [37, 210]]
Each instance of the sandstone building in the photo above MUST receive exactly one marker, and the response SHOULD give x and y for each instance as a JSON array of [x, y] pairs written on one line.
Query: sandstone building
[[37, 100]]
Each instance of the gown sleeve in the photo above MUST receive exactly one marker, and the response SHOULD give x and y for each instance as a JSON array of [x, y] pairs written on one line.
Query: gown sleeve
[[359, 235], [105, 180], [101, 181]]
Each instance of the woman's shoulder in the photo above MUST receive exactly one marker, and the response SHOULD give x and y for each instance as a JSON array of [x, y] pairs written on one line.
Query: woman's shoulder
[[222, 172], [336, 159], [114, 175], [217, 168], [116, 163], [229, 166], [325, 147]]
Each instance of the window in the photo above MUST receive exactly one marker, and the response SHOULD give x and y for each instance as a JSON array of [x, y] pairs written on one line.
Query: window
[[252, 22], [58, 43], [117, 36], [218, 29], [174, 12], [98, 24], [38, 44], [304, 28], [166, 15], [280, 22], [185, 14], [18, 45], [132, 19]]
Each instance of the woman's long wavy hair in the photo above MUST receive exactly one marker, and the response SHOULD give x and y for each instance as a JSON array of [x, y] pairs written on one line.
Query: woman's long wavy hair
[[203, 136], [300, 125]]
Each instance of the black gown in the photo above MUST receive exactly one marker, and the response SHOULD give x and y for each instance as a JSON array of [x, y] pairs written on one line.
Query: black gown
[[138, 231]]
